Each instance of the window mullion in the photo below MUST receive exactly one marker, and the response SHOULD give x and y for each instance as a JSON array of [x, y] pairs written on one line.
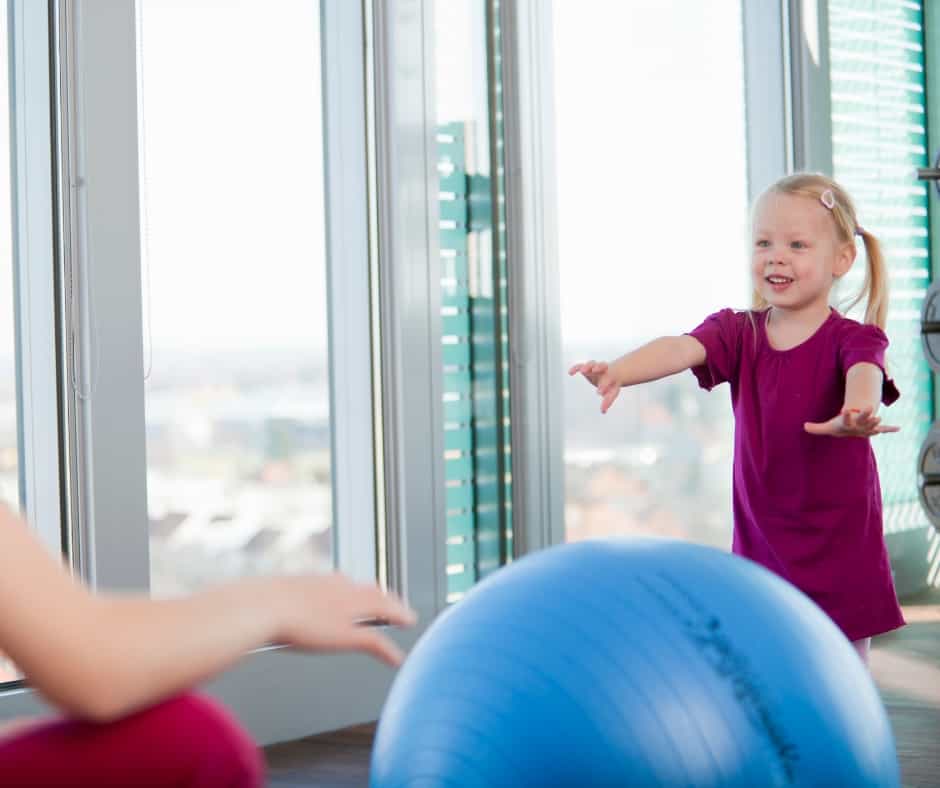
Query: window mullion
[[533, 298], [104, 370], [34, 271]]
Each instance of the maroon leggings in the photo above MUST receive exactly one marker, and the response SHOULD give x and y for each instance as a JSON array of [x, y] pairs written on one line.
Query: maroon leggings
[[187, 742]]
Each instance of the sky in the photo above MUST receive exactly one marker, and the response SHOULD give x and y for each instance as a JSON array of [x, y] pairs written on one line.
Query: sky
[[650, 166], [232, 210]]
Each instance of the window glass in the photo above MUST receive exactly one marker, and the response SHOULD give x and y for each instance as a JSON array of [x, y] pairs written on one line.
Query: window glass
[[653, 223]]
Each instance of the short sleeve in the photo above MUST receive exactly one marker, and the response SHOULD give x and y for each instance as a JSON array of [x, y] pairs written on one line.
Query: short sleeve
[[720, 335], [867, 344]]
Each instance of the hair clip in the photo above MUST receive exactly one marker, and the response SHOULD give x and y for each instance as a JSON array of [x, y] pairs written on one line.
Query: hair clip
[[828, 199]]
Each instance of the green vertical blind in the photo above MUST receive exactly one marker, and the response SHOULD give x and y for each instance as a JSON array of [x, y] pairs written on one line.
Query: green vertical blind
[[879, 137], [475, 340]]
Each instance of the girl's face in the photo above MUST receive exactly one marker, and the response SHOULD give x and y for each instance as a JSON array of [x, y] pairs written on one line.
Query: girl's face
[[796, 255]]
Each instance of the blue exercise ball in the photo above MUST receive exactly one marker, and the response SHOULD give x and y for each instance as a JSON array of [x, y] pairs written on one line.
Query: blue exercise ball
[[633, 663]]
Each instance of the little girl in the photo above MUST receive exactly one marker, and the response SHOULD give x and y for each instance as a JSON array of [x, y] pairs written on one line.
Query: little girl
[[806, 384]]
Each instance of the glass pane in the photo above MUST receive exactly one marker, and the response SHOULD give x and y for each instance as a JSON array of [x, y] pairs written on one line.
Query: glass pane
[[9, 442], [234, 276], [879, 138], [652, 238], [473, 290]]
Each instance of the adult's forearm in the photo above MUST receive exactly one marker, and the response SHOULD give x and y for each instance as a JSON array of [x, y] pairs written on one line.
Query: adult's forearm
[[152, 649], [129, 652], [100, 656]]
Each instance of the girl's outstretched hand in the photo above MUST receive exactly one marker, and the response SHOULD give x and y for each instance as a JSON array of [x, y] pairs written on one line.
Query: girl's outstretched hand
[[334, 613], [598, 374], [850, 423]]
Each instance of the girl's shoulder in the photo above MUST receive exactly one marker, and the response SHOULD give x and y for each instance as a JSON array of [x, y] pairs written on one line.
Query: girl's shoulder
[[849, 331], [732, 317], [728, 323]]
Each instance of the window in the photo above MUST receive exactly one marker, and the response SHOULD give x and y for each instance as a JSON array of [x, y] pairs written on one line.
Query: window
[[474, 311], [652, 195], [239, 426], [9, 443], [29, 396], [381, 296]]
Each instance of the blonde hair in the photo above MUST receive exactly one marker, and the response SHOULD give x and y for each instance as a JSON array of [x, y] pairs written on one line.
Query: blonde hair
[[875, 288]]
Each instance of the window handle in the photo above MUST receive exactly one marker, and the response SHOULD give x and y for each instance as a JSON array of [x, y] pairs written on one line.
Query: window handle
[[931, 173]]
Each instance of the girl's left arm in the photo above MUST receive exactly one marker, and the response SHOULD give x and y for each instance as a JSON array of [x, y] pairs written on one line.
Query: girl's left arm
[[858, 419], [863, 384]]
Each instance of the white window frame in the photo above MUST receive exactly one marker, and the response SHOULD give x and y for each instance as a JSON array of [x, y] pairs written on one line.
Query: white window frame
[[34, 267], [536, 364], [766, 89], [279, 695], [809, 102], [35, 309], [406, 210]]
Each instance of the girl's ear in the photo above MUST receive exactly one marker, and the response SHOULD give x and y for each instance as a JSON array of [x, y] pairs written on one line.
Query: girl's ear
[[844, 259]]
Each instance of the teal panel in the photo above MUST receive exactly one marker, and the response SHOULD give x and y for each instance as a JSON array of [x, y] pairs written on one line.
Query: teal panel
[[458, 383], [461, 525], [458, 439], [457, 355], [454, 211], [464, 553], [456, 325], [458, 469], [454, 183], [459, 497], [476, 372], [460, 583], [458, 411], [454, 239]]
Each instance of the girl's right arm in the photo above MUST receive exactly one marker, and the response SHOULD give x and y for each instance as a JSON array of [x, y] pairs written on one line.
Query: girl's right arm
[[657, 359], [100, 657]]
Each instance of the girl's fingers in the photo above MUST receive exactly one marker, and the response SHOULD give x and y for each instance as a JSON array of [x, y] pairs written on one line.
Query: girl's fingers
[[583, 367], [608, 400], [851, 423]]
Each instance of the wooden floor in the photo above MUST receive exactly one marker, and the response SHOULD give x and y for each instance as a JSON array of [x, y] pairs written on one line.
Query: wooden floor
[[906, 666]]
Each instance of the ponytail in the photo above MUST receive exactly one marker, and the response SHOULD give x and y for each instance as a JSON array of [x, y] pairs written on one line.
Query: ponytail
[[875, 289]]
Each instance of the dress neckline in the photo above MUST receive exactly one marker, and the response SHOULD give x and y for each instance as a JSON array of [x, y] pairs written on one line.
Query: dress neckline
[[763, 323]]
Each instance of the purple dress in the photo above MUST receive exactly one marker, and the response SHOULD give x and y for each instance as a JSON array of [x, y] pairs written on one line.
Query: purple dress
[[807, 507]]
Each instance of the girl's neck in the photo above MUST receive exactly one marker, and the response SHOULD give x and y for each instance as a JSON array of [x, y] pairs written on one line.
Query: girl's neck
[[787, 328]]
